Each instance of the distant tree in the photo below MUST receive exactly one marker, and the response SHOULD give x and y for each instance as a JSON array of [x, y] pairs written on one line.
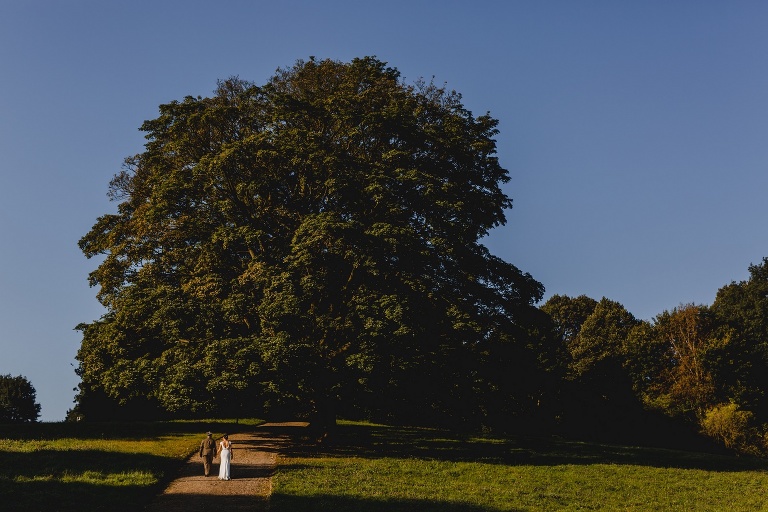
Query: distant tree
[[313, 241], [17, 400], [647, 358], [597, 391], [739, 359], [568, 315], [684, 384], [602, 338]]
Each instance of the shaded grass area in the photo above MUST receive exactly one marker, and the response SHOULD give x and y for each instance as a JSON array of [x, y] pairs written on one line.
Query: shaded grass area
[[96, 466], [379, 468]]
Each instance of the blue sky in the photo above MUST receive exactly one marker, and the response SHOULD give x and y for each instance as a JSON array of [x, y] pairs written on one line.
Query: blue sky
[[635, 134]]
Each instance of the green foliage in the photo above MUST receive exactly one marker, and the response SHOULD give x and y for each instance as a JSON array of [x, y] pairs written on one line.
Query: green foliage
[[601, 338], [17, 400], [596, 393], [313, 241], [592, 332], [732, 426], [646, 358], [568, 315], [682, 364], [739, 362], [683, 381]]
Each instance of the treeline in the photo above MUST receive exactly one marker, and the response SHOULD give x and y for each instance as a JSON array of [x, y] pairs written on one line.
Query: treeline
[[705, 366], [312, 246]]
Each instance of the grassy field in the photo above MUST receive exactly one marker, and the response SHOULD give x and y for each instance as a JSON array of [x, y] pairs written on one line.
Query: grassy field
[[95, 467], [377, 468]]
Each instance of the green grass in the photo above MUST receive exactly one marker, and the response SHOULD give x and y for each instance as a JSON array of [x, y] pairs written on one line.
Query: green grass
[[95, 466], [375, 468]]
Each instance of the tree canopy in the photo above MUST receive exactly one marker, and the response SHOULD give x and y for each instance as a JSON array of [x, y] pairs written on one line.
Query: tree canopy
[[18, 400], [739, 360], [315, 240], [703, 367], [315, 244]]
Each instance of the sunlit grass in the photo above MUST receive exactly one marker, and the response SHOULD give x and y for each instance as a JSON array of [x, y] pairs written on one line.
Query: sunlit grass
[[422, 470], [99, 466], [120, 479], [376, 468], [172, 445]]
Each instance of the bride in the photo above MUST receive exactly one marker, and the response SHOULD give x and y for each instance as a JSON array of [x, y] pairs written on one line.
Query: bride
[[225, 451]]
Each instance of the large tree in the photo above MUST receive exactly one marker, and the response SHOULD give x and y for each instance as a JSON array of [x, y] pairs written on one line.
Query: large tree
[[18, 402], [313, 240]]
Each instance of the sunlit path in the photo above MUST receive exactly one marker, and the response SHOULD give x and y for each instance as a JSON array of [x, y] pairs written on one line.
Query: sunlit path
[[254, 462]]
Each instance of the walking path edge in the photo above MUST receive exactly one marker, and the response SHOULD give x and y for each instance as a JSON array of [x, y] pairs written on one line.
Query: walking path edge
[[254, 460]]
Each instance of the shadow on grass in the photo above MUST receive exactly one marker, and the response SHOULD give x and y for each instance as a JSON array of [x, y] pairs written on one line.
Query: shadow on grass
[[104, 480], [83, 479], [321, 503], [371, 441], [56, 463], [117, 430], [316, 503]]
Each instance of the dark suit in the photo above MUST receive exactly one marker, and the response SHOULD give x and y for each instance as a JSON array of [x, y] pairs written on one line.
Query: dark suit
[[207, 452]]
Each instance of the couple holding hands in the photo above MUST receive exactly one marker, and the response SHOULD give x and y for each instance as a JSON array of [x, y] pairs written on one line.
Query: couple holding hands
[[208, 452]]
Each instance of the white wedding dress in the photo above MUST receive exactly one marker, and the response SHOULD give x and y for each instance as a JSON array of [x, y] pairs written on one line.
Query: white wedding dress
[[226, 457]]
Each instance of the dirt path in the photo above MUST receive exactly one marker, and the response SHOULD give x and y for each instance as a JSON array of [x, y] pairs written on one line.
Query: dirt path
[[253, 463]]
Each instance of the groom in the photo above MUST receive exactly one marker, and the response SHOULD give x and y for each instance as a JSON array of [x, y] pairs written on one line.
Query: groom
[[207, 452]]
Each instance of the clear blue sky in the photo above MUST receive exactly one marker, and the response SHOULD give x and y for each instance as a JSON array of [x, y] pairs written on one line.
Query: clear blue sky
[[636, 134]]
